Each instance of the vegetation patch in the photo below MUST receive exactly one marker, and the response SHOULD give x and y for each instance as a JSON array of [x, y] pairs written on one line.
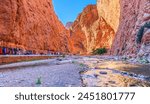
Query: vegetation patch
[[99, 51], [39, 82], [82, 65], [141, 32]]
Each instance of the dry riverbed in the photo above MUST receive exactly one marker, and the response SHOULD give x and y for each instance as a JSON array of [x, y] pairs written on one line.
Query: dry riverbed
[[89, 71]]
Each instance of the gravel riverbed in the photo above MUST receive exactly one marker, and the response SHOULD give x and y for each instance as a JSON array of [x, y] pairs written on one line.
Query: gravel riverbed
[[75, 71]]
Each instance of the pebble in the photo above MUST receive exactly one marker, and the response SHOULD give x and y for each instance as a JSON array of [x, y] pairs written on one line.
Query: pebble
[[96, 75], [59, 59], [112, 82], [132, 85], [124, 73], [103, 72], [90, 76], [97, 68], [147, 78], [130, 74]]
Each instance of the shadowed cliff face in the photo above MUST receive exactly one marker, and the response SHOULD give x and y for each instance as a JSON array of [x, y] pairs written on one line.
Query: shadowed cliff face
[[31, 24], [89, 32], [131, 22], [134, 16]]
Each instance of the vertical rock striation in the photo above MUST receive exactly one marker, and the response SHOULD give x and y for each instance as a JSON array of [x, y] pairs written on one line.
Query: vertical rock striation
[[31, 25], [133, 17], [110, 11], [90, 31], [131, 22]]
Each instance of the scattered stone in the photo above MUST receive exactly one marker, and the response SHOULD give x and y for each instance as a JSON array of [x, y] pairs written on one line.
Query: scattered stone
[[98, 62], [124, 73], [58, 63], [131, 74], [132, 85], [97, 67], [103, 72], [147, 78], [112, 82], [59, 59], [21, 81], [106, 84], [96, 75]]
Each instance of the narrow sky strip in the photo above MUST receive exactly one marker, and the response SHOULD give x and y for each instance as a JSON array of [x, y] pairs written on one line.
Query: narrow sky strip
[[68, 10]]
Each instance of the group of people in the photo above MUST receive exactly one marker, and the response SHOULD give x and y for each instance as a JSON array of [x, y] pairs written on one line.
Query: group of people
[[18, 51], [9, 51], [13, 51]]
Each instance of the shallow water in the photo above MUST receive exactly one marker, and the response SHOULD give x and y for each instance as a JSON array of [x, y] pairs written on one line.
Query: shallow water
[[104, 73]]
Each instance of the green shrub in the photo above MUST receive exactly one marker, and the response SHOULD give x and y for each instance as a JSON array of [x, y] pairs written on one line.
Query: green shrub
[[38, 82], [82, 65], [100, 51], [141, 32]]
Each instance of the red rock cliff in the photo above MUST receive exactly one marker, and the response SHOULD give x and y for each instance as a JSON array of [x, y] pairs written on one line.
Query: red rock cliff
[[31, 24], [133, 16], [131, 21], [90, 31]]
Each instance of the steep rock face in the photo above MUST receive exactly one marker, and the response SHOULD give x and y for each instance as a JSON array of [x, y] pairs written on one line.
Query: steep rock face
[[134, 15], [110, 11], [89, 32], [32, 25]]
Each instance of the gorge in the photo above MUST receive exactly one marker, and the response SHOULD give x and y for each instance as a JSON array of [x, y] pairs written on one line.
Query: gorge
[[33, 25], [42, 52]]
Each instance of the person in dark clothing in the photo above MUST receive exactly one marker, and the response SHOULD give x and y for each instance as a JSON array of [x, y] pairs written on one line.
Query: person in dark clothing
[[4, 50], [1, 50]]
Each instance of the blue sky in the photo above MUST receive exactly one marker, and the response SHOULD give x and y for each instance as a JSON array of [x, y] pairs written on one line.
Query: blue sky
[[68, 10]]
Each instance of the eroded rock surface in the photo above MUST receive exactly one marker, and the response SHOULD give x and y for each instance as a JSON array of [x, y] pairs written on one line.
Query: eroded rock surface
[[32, 25], [134, 15], [90, 31]]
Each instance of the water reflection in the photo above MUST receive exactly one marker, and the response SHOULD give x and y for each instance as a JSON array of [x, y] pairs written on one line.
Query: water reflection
[[104, 73]]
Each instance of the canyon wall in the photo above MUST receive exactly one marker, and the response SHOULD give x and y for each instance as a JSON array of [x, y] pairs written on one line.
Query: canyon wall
[[31, 25], [130, 19], [133, 36], [122, 25], [90, 31], [110, 11]]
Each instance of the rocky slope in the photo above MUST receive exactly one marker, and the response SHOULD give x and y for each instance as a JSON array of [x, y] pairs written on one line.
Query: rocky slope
[[31, 25], [90, 31]]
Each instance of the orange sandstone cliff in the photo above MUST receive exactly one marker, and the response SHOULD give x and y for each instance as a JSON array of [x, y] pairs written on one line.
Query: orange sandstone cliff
[[31, 25], [123, 26], [90, 31]]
